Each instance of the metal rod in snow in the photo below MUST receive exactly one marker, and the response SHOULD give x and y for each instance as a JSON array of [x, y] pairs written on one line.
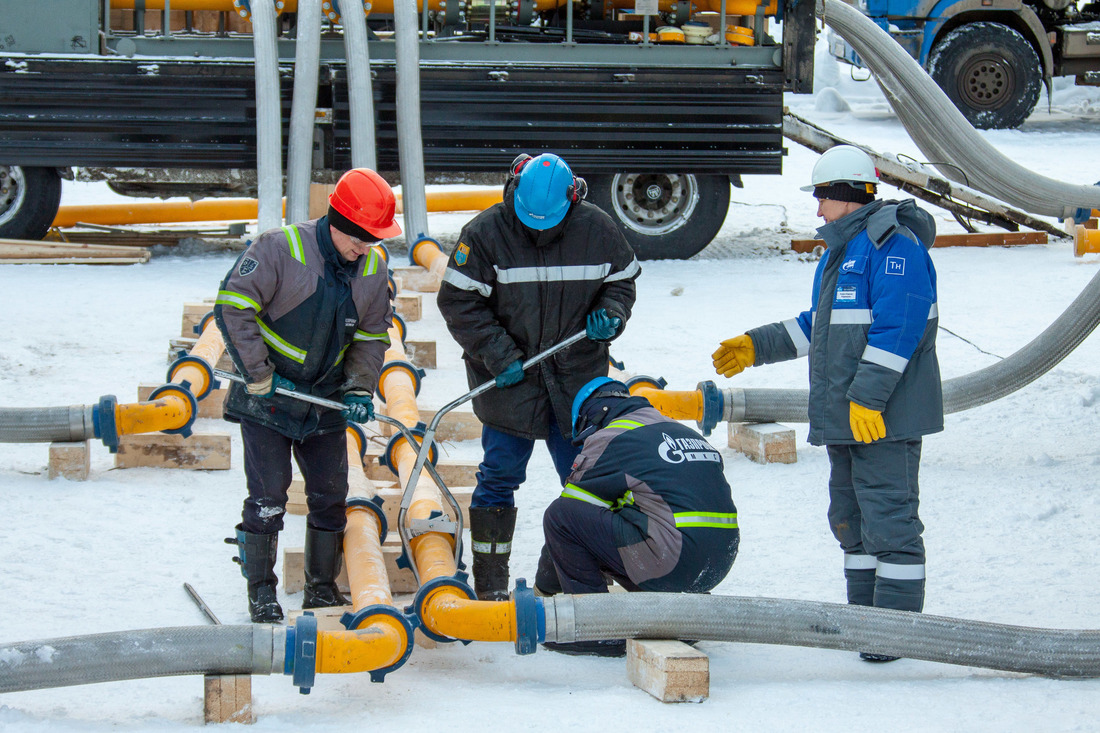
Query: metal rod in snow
[[303, 110], [410, 146], [269, 125], [360, 95]]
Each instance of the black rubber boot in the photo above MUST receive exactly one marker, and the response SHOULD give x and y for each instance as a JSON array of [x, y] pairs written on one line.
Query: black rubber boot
[[257, 559], [491, 530], [324, 551]]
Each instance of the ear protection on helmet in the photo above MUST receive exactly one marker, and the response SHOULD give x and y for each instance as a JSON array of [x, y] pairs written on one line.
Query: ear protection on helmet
[[577, 191]]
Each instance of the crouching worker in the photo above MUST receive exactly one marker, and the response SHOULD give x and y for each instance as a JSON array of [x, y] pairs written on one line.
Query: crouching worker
[[646, 504]]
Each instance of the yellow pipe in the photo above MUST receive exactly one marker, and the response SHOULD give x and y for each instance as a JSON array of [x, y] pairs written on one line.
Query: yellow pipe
[[157, 212], [460, 200], [166, 412], [209, 348], [676, 405], [380, 645], [1085, 241], [448, 613]]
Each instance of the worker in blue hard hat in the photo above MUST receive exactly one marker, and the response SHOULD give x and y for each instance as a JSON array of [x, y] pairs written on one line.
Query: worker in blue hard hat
[[526, 274], [647, 504]]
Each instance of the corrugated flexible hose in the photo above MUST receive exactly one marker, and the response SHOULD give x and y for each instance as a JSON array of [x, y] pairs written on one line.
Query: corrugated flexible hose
[[46, 424], [1052, 652]]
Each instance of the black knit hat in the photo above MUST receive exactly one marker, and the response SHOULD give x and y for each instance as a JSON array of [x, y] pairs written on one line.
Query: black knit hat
[[860, 193], [342, 224]]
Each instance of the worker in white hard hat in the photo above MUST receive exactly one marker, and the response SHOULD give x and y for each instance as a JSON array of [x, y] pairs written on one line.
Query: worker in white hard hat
[[870, 335]]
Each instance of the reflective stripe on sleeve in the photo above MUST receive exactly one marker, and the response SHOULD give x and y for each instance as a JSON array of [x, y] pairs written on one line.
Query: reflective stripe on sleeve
[[294, 239], [364, 336], [626, 273], [228, 297], [884, 358], [801, 343], [893, 571], [706, 519], [371, 265], [572, 491], [273, 340], [462, 282]]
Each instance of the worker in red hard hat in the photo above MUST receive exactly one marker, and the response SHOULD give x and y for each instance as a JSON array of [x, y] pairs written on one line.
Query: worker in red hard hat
[[307, 308]]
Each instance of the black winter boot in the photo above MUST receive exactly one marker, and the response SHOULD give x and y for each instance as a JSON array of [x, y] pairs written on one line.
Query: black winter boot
[[491, 530], [257, 559], [323, 553]]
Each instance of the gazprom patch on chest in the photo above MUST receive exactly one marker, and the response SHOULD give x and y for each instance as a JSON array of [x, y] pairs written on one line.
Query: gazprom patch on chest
[[846, 294], [462, 253]]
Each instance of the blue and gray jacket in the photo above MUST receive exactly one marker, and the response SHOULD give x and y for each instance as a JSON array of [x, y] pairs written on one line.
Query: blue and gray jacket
[[870, 333], [674, 519]]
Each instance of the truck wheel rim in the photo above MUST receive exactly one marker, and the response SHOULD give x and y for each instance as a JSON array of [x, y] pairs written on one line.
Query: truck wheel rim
[[987, 81], [654, 203], [12, 192]]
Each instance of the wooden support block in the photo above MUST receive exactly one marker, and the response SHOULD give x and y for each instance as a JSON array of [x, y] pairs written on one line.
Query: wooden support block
[[227, 698], [70, 461], [671, 671], [421, 353], [1092, 223], [401, 579], [207, 451], [193, 313], [176, 345], [211, 407], [408, 306], [764, 442], [455, 425], [417, 278], [296, 497]]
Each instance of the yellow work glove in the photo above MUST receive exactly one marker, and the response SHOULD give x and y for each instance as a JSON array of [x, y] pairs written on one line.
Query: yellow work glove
[[734, 355], [867, 424]]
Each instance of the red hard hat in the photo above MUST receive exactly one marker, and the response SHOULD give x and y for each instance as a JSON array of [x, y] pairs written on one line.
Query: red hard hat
[[366, 200]]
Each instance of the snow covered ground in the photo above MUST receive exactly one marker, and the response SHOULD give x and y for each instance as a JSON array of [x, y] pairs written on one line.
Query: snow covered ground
[[1010, 496]]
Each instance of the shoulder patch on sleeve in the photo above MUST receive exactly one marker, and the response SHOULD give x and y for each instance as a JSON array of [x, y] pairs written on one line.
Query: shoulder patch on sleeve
[[462, 253], [247, 266]]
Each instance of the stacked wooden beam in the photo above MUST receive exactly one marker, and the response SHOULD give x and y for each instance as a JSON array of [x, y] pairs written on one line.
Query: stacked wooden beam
[[26, 252]]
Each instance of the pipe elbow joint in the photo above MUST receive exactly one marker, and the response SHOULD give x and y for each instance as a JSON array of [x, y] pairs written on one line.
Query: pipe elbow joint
[[424, 595], [389, 615], [191, 408]]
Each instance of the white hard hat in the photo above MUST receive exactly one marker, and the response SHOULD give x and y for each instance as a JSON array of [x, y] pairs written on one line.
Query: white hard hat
[[843, 163]]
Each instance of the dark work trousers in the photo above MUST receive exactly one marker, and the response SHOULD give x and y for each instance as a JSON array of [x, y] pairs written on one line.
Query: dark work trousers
[[504, 466], [873, 503], [323, 460], [580, 548]]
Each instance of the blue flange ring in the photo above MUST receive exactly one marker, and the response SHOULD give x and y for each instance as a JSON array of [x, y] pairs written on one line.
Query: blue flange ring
[[527, 618], [387, 460], [422, 597], [360, 438], [104, 425], [408, 367], [412, 249], [402, 329], [373, 505], [643, 381], [199, 327], [202, 364], [353, 621], [305, 652], [177, 390], [712, 406], [393, 285]]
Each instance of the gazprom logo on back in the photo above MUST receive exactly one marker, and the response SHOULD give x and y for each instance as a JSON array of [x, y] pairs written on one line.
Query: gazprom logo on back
[[678, 450]]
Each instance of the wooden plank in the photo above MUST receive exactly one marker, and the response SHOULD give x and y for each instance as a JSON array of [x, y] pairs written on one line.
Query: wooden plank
[[77, 261], [50, 248], [980, 239], [670, 670], [417, 278], [70, 461], [193, 313], [176, 345], [401, 579], [421, 353], [764, 442], [227, 698], [206, 451]]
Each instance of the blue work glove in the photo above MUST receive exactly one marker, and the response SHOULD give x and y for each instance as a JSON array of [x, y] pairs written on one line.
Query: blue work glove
[[360, 406], [512, 374], [602, 327], [266, 387]]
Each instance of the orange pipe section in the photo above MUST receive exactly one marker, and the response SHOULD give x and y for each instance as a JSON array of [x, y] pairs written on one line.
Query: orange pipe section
[[676, 405], [209, 347], [460, 200], [382, 644], [167, 412], [157, 212]]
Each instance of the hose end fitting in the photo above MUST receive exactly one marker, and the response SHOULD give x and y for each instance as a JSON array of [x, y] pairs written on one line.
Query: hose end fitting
[[530, 618], [104, 424], [303, 637], [712, 406]]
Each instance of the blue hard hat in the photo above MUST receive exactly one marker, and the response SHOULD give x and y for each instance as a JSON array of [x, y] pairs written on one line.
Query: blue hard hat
[[544, 191], [587, 391]]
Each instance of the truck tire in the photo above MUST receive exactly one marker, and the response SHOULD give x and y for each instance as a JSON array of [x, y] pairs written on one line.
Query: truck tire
[[664, 216], [990, 72], [29, 198]]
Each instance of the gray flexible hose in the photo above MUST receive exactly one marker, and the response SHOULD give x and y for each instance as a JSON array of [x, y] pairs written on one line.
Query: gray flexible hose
[[942, 133], [46, 424], [128, 655], [1053, 652], [961, 393]]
